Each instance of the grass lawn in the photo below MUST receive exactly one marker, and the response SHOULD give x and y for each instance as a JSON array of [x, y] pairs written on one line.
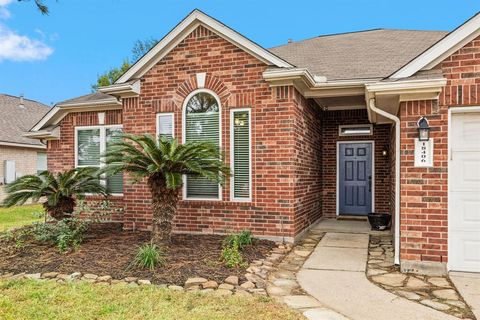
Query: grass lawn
[[19, 216], [29, 299]]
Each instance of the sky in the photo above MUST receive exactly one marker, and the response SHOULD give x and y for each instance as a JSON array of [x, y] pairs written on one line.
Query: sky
[[50, 58]]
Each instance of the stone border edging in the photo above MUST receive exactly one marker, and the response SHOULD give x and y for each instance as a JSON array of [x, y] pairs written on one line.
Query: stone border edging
[[256, 276]]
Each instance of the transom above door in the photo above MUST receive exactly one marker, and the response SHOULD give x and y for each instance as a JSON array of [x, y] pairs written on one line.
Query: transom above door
[[355, 178]]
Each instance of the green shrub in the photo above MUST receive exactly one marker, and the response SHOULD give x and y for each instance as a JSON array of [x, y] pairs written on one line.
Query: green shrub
[[231, 254], [149, 256], [66, 234], [243, 239]]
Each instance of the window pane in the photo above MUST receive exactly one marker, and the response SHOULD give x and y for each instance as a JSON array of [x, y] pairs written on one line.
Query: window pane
[[165, 125], [114, 182], [241, 154], [88, 147], [41, 162], [202, 124]]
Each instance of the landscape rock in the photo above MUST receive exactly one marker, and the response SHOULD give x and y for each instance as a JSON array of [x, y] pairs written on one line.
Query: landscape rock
[[223, 292], [90, 276], [175, 288], [131, 279], [33, 275], [226, 286], [194, 282], [233, 280], [144, 282], [210, 285], [104, 278], [247, 285], [49, 275]]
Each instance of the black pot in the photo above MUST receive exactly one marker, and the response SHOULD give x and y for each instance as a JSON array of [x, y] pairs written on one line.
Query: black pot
[[379, 221]]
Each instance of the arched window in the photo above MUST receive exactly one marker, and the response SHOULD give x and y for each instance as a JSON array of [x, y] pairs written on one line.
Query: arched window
[[202, 123]]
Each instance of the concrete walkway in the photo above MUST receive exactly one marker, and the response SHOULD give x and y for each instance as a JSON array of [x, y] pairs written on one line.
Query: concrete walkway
[[468, 284], [334, 274]]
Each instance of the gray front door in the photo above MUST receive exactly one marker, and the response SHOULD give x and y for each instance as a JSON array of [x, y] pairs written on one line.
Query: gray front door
[[355, 178]]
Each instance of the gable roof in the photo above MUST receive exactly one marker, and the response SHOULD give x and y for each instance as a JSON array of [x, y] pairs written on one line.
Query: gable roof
[[358, 55], [443, 48], [183, 29], [16, 120]]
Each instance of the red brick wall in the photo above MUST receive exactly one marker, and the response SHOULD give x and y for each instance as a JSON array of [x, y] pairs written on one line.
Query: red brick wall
[[308, 162], [424, 193], [236, 77], [381, 137]]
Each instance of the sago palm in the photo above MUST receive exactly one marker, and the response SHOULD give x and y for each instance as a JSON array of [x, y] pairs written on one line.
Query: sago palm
[[61, 190], [163, 162]]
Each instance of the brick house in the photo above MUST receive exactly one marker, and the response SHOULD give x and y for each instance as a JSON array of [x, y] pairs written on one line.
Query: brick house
[[19, 155], [320, 128]]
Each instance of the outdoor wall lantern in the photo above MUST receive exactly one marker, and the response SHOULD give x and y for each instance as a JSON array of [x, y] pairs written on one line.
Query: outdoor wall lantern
[[423, 129]]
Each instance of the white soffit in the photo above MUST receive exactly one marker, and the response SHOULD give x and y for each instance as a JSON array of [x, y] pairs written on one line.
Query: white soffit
[[183, 29], [442, 49]]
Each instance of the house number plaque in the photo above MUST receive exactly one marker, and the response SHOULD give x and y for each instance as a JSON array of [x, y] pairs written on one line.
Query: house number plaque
[[424, 153]]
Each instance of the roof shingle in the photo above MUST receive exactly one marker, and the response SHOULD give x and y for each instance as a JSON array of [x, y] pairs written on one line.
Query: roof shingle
[[17, 120], [358, 55]]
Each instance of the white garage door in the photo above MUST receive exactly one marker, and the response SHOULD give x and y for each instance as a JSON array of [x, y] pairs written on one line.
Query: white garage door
[[464, 193]]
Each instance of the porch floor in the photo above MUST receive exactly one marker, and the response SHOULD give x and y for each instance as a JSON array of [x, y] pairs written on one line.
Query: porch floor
[[346, 226]]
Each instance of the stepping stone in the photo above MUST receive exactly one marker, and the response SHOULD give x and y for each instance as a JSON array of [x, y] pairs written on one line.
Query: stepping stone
[[408, 294], [376, 253], [439, 282], [390, 279], [435, 305], [375, 272], [446, 294], [323, 314], [286, 283], [285, 274], [456, 303], [416, 283], [301, 302]]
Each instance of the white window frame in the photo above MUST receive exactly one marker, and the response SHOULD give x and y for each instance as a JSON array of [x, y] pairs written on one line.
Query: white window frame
[[162, 114], [232, 155], [184, 120], [340, 127], [103, 145]]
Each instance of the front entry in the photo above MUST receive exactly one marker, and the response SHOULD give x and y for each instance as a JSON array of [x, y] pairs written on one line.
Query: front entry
[[355, 175]]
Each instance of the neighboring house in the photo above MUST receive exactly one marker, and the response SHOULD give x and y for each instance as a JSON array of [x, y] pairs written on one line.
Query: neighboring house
[[19, 155], [319, 128]]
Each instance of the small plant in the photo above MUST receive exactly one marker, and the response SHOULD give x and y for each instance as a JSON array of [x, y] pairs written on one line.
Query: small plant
[[243, 239], [231, 254], [149, 256]]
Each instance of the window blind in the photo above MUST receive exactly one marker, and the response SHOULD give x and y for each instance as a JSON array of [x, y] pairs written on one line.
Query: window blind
[[165, 125], [114, 182], [88, 147], [41, 162], [202, 123], [241, 154]]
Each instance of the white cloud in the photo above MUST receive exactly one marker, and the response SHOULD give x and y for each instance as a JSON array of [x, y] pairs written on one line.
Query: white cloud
[[16, 47]]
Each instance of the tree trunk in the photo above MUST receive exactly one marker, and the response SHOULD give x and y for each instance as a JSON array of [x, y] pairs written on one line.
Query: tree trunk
[[164, 207], [62, 210]]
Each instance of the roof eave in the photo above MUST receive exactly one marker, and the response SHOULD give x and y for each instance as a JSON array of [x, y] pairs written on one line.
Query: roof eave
[[122, 90]]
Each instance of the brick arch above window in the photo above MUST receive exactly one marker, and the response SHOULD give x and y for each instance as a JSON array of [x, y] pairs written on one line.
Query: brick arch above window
[[212, 83]]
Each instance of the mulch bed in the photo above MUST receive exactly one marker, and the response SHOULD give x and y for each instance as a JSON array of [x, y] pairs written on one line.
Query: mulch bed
[[108, 250]]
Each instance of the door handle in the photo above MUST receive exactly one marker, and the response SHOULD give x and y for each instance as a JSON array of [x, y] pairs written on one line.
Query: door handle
[[369, 183]]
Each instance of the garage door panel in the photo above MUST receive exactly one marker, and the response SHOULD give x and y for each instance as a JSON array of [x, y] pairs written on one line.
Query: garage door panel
[[465, 171], [464, 193], [465, 249], [466, 215]]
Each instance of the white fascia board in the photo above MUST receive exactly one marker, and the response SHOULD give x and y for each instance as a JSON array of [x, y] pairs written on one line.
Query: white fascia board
[[122, 89], [183, 29], [442, 49], [407, 86], [21, 145], [54, 133], [57, 113]]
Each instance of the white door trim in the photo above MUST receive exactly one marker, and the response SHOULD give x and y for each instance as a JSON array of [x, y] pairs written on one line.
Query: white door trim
[[372, 142], [453, 110]]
